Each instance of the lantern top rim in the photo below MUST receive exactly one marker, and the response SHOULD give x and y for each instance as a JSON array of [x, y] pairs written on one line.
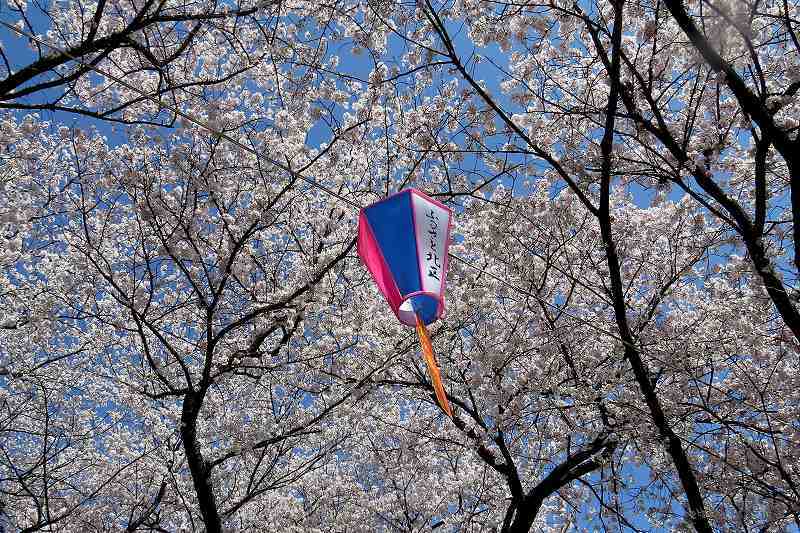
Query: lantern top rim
[[410, 190]]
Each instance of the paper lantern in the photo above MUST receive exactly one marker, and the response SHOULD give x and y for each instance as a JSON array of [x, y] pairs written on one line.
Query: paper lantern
[[403, 241]]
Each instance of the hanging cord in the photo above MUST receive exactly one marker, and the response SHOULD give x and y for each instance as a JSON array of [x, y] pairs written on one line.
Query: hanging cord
[[294, 174]]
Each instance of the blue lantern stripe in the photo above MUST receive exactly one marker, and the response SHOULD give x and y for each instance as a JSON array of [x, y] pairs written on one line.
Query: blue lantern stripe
[[391, 223]]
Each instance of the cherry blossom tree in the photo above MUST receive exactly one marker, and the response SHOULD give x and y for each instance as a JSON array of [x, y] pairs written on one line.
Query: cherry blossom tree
[[154, 45], [189, 342], [152, 284], [570, 77]]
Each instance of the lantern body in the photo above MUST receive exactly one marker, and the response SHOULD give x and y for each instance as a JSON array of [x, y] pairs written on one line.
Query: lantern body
[[403, 241]]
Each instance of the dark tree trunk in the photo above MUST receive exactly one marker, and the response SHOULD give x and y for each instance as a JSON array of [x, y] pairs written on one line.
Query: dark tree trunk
[[198, 466], [640, 371]]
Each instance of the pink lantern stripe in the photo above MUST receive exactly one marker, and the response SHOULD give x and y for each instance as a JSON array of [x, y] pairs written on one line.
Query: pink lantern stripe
[[371, 255]]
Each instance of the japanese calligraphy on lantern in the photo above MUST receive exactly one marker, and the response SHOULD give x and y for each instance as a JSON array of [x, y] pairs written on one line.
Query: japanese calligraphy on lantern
[[431, 226]]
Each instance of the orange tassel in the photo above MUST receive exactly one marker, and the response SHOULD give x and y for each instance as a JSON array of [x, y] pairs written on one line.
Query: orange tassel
[[433, 370]]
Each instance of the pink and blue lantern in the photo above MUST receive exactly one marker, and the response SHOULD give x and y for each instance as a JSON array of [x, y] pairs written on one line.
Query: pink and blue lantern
[[403, 241]]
